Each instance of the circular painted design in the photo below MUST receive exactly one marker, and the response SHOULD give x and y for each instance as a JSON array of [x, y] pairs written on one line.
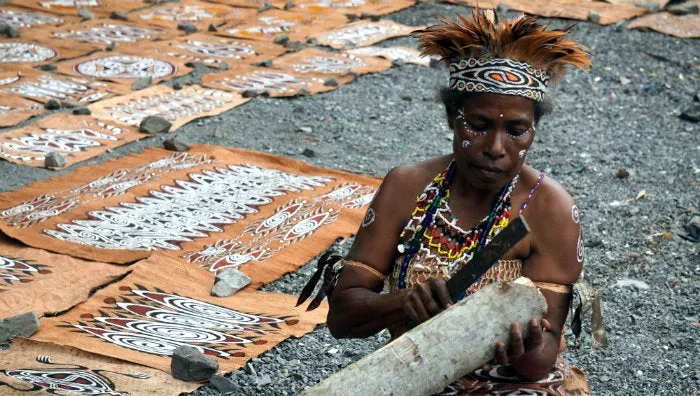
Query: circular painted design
[[125, 66], [18, 52]]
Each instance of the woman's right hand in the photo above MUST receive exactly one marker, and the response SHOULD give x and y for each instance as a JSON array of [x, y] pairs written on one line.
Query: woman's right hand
[[426, 300]]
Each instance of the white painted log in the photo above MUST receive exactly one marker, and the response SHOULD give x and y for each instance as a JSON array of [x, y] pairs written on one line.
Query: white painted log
[[434, 354]]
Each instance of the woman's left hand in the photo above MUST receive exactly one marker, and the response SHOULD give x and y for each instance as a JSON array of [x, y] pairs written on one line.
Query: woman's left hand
[[518, 347]]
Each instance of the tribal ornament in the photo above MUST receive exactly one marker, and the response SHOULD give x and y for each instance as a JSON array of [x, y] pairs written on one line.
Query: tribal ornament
[[224, 49], [44, 207], [69, 3], [273, 82], [329, 65], [274, 25], [156, 322], [356, 35], [18, 52], [501, 76], [47, 87], [292, 222], [15, 270], [125, 66], [108, 33], [580, 247], [71, 379], [67, 141], [25, 19], [188, 13], [186, 210]]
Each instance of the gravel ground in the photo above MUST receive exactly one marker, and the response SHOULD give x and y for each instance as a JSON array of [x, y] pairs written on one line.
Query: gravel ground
[[623, 115]]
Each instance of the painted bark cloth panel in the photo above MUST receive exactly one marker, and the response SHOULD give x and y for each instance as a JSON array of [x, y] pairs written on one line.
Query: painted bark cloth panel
[[23, 19], [212, 50], [571, 9], [164, 304], [684, 26], [375, 7], [362, 33], [15, 109], [43, 282], [33, 367], [407, 55], [123, 210], [42, 87], [316, 61], [26, 52], [178, 107], [297, 25], [77, 138], [199, 13], [661, 3], [100, 8], [276, 82], [124, 67]]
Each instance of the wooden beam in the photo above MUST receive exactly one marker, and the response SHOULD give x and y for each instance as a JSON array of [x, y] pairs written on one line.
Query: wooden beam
[[434, 354]]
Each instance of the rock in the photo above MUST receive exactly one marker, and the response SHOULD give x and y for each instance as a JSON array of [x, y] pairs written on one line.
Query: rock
[[111, 46], [696, 98], [693, 229], [54, 160], [622, 174], [141, 83], [219, 133], [266, 7], [177, 85], [119, 15], [84, 13], [224, 65], [502, 8], [289, 5], [49, 67], [632, 283], [250, 93], [266, 63], [434, 63], [223, 384], [305, 130], [625, 80], [9, 30], [397, 62], [213, 28], [52, 104], [406, 97], [155, 124], [281, 39], [308, 153], [331, 82], [228, 282], [174, 144], [685, 8], [295, 45], [351, 17], [81, 110], [69, 103], [692, 114], [188, 28], [189, 364], [651, 6], [22, 325], [593, 16], [312, 41], [264, 380], [304, 92], [372, 17]]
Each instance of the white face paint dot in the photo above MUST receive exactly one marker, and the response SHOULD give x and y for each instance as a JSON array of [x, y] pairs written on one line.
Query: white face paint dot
[[466, 144], [522, 153]]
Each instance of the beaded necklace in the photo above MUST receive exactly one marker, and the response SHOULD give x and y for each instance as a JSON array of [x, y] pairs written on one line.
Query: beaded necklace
[[451, 246]]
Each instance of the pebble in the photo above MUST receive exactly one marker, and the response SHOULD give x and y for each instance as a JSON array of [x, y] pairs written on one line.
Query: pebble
[[622, 174], [281, 39], [54, 160], [632, 283], [289, 5], [688, 7], [250, 93], [22, 325], [305, 130], [397, 62], [141, 83], [692, 114], [84, 13], [228, 282], [111, 46], [188, 28], [303, 91], [266, 7], [177, 85], [49, 67], [155, 124], [9, 30], [406, 97], [219, 133], [69, 103], [312, 41], [119, 15], [295, 45], [175, 144], [81, 110], [223, 384], [213, 28], [265, 63], [593, 16], [331, 82], [308, 153], [224, 65], [190, 364], [52, 104]]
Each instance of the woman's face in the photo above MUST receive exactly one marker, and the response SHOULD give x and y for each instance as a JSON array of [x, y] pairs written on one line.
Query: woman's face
[[492, 135]]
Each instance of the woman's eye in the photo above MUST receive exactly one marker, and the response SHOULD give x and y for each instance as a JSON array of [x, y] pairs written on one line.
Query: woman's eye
[[478, 127], [517, 132]]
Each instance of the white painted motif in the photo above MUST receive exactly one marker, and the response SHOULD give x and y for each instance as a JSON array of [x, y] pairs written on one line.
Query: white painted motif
[[274, 82], [340, 64], [466, 144], [47, 87], [187, 210], [392, 53], [356, 35], [271, 25], [171, 106], [224, 49], [125, 66], [580, 248], [185, 13], [25, 19], [70, 3], [369, 218], [574, 214], [108, 33], [18, 52], [522, 153], [67, 141], [336, 4]]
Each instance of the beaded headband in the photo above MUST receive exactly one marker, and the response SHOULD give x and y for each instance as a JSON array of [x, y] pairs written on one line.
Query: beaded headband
[[502, 76]]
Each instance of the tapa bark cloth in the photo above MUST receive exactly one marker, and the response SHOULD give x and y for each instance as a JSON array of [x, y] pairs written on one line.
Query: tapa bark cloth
[[42, 367], [227, 188], [43, 282], [163, 304]]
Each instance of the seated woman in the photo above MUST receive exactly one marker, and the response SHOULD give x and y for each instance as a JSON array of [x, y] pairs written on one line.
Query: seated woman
[[499, 75]]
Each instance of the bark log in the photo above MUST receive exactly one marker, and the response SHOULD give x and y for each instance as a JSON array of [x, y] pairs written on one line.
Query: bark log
[[434, 354]]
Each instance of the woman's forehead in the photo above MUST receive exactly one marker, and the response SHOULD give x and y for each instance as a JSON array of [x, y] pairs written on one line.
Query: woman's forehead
[[488, 104]]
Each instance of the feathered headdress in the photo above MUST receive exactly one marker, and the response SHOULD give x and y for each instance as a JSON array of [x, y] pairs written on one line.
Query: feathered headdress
[[516, 57]]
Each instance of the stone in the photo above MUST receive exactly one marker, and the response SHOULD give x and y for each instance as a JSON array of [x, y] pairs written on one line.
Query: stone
[[49, 67], [625, 80], [632, 283], [622, 174], [22, 325], [190, 364], [111, 46], [228, 282], [84, 13], [406, 97], [174, 144], [692, 114], [372, 17], [81, 110], [305, 130], [397, 62], [224, 65], [281, 39], [295, 45], [686, 8], [304, 92], [177, 85], [223, 384], [52, 104], [141, 83], [213, 28], [308, 153], [155, 124], [434, 63], [289, 5], [264, 380], [312, 41], [693, 229], [250, 93], [119, 15], [502, 8], [593, 16], [651, 6], [265, 63], [188, 28], [9, 30], [69, 103], [266, 7], [331, 82], [54, 160], [219, 133]]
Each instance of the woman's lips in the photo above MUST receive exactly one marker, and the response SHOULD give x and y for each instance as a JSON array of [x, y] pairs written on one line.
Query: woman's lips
[[489, 173]]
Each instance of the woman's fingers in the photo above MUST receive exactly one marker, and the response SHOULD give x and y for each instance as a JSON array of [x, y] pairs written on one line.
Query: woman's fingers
[[501, 353], [431, 306], [517, 348], [440, 291], [534, 339], [419, 308]]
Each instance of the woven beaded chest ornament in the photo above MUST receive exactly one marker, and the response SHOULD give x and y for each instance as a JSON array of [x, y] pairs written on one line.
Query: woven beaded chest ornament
[[501, 76]]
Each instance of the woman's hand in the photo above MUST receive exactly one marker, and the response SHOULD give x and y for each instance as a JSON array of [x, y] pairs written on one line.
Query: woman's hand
[[426, 300], [519, 348]]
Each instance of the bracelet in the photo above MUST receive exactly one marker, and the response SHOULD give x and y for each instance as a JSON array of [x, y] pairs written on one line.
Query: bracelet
[[357, 264]]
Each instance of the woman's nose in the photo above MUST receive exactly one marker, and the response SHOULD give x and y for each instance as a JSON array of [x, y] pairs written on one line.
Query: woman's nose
[[495, 144]]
